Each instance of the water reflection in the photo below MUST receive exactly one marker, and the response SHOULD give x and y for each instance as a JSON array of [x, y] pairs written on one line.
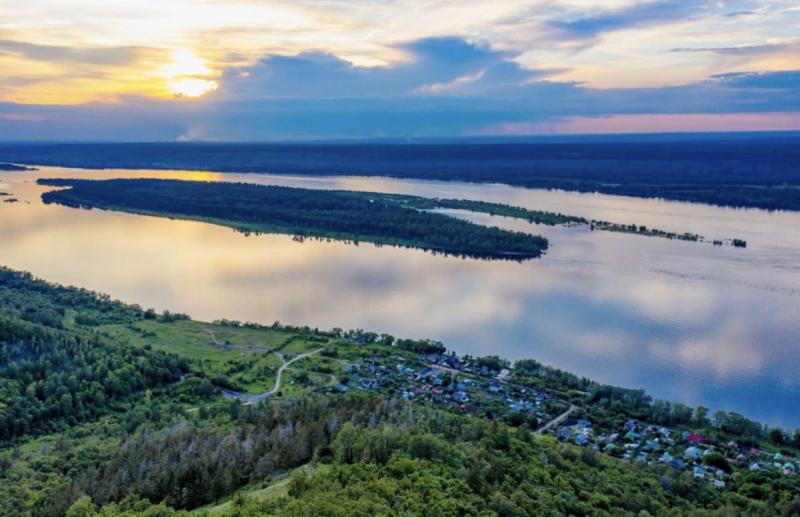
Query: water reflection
[[687, 321]]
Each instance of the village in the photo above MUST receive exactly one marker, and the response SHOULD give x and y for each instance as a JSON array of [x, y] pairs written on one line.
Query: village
[[449, 382], [706, 458], [464, 385]]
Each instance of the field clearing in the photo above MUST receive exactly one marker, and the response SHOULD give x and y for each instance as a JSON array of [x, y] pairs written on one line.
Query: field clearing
[[279, 488], [244, 357]]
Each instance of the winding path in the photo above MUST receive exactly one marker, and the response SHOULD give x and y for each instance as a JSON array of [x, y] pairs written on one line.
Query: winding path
[[249, 398], [557, 420]]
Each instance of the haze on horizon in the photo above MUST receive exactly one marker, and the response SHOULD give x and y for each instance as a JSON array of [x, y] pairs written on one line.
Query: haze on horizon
[[250, 70]]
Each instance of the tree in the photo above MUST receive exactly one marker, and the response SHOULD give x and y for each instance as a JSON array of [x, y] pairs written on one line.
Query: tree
[[701, 417], [83, 507], [777, 436], [206, 388]]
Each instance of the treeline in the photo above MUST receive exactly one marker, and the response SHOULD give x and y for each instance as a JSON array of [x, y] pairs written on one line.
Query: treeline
[[23, 296], [747, 171], [13, 168], [610, 406], [533, 216], [356, 216]]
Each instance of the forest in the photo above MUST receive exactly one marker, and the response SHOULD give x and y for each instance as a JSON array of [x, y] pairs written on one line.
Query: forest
[[51, 378], [355, 216], [756, 172]]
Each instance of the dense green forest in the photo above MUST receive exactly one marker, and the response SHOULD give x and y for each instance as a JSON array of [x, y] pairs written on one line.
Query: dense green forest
[[52, 377], [110, 409], [356, 216], [748, 171]]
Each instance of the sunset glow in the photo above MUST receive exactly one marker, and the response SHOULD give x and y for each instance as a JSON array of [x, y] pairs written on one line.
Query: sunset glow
[[187, 75], [361, 69]]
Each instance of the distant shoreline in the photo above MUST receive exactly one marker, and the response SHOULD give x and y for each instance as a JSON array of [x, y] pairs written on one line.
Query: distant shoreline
[[738, 172]]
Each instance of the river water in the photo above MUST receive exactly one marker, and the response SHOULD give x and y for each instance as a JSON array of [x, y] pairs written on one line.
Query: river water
[[688, 322]]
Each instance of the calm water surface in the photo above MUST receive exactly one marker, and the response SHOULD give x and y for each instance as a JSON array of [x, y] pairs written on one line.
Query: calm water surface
[[688, 322]]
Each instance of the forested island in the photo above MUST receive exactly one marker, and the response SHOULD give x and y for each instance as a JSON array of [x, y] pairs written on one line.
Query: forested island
[[115, 410], [10, 167], [354, 216], [381, 218], [721, 170]]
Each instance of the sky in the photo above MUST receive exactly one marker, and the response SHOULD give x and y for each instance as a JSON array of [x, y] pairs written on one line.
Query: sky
[[265, 70]]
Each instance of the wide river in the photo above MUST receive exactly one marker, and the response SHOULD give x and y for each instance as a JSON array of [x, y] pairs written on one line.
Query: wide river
[[688, 322]]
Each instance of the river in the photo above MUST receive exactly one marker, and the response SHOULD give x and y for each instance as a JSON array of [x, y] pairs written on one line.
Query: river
[[688, 322]]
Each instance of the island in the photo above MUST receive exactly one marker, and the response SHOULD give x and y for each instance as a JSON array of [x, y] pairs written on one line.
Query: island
[[10, 167], [343, 215]]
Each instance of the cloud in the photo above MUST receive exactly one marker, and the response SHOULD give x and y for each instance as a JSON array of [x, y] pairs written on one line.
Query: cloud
[[433, 65], [444, 87], [747, 50], [585, 30], [786, 80], [108, 56]]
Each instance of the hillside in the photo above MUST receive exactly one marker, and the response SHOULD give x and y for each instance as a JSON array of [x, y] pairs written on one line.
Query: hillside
[[156, 421]]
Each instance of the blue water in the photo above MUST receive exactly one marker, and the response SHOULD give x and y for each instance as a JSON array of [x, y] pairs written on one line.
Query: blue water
[[688, 322]]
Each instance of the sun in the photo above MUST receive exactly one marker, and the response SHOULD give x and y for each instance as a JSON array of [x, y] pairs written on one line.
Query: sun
[[188, 76], [191, 87]]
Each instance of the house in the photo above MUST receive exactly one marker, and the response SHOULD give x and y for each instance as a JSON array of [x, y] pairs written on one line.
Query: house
[[495, 387], [460, 396], [632, 436], [368, 384], [581, 439], [641, 457], [666, 458], [789, 469], [433, 358], [754, 466], [453, 361], [695, 438], [427, 374], [652, 446], [676, 464], [699, 472], [564, 434], [691, 453], [718, 483]]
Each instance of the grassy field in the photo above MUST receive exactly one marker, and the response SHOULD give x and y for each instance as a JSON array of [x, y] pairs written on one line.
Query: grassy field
[[273, 490], [245, 357]]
